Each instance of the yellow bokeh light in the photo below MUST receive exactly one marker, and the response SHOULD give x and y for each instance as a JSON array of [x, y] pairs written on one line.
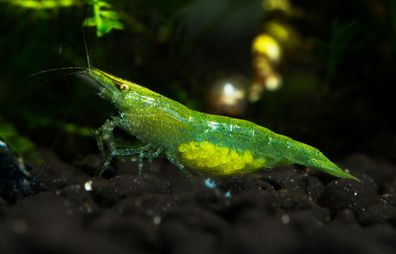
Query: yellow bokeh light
[[266, 45], [273, 82], [282, 5], [227, 95], [231, 94], [278, 30]]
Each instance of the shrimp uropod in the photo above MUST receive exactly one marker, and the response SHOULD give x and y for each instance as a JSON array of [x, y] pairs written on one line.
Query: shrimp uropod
[[212, 144]]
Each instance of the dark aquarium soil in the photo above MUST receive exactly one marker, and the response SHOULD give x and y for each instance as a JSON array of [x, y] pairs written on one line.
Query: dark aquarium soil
[[286, 210]]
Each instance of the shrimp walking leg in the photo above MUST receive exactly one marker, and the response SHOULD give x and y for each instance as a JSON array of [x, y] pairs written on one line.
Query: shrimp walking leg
[[175, 162], [104, 135], [144, 151], [108, 146]]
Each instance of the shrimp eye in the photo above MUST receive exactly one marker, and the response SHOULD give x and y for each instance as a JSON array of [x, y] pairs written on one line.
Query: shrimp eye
[[124, 87]]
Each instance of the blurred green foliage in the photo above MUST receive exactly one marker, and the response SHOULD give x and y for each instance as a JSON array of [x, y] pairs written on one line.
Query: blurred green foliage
[[43, 4], [104, 18], [20, 144]]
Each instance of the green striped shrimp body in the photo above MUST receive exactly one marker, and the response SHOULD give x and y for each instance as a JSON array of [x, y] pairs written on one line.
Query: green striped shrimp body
[[212, 144]]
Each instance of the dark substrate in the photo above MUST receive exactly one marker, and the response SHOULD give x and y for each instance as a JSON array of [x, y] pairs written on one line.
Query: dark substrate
[[286, 210]]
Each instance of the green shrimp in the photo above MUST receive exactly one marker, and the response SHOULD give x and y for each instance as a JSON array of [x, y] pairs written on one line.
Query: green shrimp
[[211, 144]]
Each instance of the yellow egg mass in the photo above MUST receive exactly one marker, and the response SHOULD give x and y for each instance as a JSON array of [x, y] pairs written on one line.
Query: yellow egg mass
[[220, 160]]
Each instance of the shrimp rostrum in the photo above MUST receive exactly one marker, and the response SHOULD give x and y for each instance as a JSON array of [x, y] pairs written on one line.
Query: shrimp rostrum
[[212, 144]]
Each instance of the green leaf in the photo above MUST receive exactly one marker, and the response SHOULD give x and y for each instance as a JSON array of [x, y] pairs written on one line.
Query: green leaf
[[109, 14], [90, 22], [104, 18]]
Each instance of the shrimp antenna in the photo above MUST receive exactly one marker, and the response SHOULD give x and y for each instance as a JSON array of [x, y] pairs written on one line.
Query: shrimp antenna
[[57, 69], [85, 44]]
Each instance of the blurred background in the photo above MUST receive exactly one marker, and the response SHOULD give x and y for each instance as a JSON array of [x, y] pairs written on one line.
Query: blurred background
[[321, 72]]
